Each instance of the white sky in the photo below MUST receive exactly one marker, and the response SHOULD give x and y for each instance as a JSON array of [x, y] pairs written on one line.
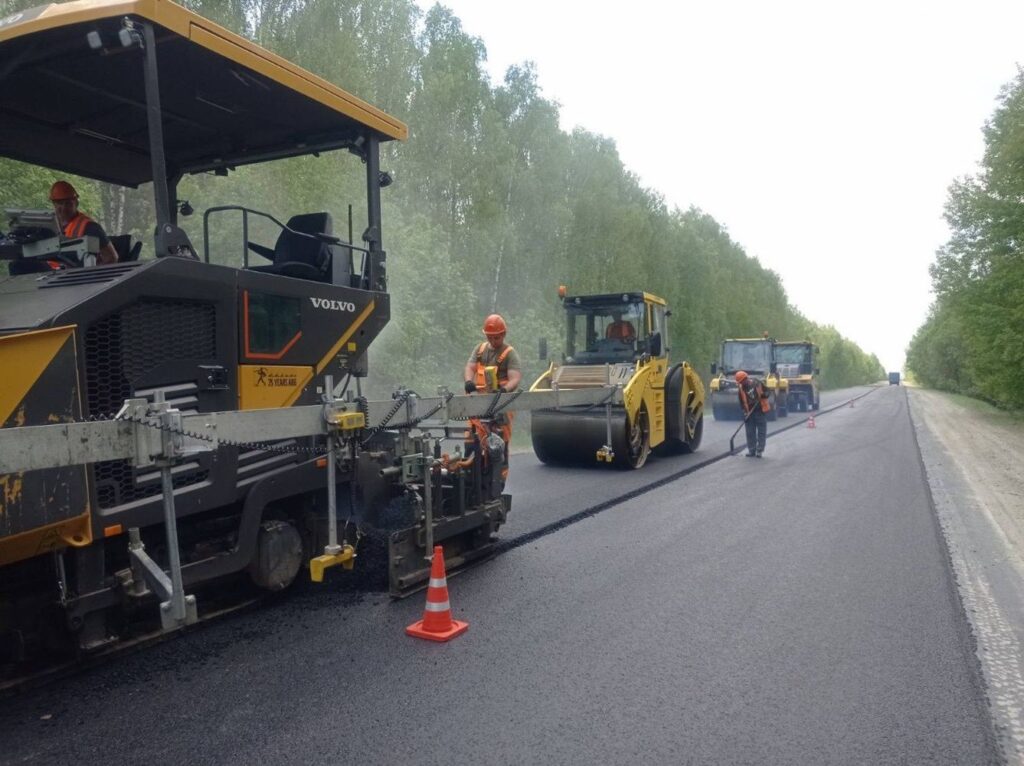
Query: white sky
[[822, 134]]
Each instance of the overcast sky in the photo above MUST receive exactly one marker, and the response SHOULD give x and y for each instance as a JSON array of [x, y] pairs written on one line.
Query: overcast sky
[[822, 134]]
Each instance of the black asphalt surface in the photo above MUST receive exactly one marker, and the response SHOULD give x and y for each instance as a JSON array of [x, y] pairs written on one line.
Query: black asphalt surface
[[544, 494], [795, 609]]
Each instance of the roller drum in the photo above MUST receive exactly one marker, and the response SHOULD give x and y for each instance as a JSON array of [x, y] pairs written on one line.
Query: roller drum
[[568, 437], [725, 405]]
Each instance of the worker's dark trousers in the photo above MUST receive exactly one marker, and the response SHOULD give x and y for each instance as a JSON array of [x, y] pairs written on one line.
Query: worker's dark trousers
[[757, 432]]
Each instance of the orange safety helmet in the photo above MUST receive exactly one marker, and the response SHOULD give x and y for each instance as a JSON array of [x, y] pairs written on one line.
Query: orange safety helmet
[[741, 376], [494, 325], [62, 190]]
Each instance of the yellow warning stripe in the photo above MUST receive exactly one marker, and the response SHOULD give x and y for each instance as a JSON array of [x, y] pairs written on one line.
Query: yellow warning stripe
[[24, 358], [344, 338]]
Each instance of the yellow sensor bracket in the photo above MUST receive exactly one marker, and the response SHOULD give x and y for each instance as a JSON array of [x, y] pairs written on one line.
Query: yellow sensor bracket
[[491, 378], [347, 422], [605, 455], [344, 558]]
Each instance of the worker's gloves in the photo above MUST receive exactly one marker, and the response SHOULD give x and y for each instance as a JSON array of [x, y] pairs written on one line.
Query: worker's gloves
[[470, 386]]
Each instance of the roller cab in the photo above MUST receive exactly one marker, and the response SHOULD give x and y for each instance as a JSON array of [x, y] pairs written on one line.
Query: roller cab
[[757, 357], [620, 342]]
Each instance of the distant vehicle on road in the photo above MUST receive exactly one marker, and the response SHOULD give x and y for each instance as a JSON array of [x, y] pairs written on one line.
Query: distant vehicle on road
[[894, 378]]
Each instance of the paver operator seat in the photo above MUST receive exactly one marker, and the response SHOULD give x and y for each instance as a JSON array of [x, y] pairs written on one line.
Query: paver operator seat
[[297, 256]]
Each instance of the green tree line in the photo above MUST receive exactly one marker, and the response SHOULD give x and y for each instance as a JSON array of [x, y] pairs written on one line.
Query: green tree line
[[973, 339], [494, 205]]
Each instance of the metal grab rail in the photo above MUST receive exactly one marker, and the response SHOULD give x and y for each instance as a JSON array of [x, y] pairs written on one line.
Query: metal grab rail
[[327, 239]]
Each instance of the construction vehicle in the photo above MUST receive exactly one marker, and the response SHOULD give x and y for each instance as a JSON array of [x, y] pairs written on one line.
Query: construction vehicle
[[797, 362], [757, 357], [223, 378], [619, 340]]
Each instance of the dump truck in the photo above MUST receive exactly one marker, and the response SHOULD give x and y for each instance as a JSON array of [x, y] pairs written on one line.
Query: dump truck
[[798, 365], [618, 341], [894, 378], [755, 356]]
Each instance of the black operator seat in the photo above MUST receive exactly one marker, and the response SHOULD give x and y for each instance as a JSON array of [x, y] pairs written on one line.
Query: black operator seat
[[126, 251], [298, 256]]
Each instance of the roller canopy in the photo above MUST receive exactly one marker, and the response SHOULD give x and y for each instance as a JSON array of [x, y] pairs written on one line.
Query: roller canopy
[[225, 101]]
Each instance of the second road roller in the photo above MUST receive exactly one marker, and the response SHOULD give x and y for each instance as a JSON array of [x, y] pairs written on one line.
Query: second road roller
[[619, 341], [755, 356]]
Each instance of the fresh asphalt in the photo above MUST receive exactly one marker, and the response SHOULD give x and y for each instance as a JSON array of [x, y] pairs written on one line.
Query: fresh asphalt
[[542, 495], [795, 609]]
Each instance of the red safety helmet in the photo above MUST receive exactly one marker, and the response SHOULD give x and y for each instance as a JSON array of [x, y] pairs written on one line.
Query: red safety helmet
[[494, 325], [61, 191], [741, 376]]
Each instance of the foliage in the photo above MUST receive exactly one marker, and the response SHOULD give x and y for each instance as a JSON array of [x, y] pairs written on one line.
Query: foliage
[[493, 206], [973, 339]]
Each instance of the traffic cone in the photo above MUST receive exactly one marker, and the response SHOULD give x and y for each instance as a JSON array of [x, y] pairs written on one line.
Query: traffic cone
[[810, 421], [437, 623]]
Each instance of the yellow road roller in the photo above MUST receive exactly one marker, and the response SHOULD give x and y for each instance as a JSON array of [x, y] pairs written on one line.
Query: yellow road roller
[[620, 342], [755, 356], [798, 364]]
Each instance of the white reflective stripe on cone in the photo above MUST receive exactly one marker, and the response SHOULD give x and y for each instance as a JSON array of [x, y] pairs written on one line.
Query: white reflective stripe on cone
[[441, 606], [438, 583]]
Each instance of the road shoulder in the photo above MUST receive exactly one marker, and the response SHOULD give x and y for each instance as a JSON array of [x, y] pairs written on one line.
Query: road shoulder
[[971, 457]]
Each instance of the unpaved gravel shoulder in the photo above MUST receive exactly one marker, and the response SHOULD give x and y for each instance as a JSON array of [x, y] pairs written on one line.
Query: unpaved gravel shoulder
[[988, 449], [972, 458]]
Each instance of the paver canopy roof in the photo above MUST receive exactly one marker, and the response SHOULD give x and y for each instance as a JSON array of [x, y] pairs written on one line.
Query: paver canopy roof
[[225, 101]]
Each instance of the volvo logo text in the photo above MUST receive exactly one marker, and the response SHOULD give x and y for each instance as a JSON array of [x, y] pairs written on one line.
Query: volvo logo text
[[327, 303]]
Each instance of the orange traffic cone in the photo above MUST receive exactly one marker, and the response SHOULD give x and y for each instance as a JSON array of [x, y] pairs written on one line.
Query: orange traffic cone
[[437, 623], [810, 421]]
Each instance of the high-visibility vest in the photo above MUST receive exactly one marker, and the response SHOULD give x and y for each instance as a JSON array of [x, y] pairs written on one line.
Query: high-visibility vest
[[759, 390], [75, 228], [481, 369], [621, 330]]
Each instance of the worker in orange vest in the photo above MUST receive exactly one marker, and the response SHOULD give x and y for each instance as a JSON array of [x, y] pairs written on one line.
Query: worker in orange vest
[[74, 223], [755, 404], [620, 329], [493, 366]]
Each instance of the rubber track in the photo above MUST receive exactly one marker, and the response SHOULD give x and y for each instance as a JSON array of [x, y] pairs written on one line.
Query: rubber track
[[586, 513]]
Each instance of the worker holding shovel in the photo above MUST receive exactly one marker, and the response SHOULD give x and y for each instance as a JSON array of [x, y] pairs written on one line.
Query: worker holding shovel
[[755, 404]]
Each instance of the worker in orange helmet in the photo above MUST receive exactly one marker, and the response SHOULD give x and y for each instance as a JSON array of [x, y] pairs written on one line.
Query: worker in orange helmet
[[620, 329], [74, 223], [493, 366], [755, 405]]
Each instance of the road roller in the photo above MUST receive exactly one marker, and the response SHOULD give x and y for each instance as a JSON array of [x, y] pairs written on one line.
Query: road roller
[[619, 342], [757, 357], [798, 364]]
